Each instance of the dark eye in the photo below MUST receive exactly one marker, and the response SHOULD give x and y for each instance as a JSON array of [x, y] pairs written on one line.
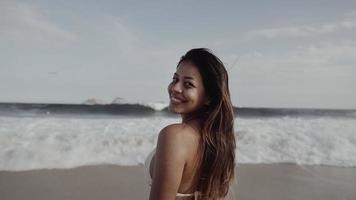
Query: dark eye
[[188, 84]]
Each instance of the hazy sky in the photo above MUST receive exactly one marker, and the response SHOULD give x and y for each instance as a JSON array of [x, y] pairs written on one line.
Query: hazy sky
[[279, 53]]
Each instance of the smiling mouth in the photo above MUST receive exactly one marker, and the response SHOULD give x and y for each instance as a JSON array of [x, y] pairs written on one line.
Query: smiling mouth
[[175, 100]]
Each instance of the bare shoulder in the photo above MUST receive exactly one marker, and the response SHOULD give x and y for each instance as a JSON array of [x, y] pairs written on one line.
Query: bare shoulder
[[171, 158], [179, 131], [178, 136], [179, 128]]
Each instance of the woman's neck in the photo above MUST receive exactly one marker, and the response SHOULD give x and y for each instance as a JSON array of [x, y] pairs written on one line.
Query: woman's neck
[[193, 120]]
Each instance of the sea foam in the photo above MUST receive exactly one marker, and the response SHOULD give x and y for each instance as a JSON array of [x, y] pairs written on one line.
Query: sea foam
[[66, 141]]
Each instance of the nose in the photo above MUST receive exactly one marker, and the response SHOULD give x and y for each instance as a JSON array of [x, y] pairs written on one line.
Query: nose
[[176, 87]]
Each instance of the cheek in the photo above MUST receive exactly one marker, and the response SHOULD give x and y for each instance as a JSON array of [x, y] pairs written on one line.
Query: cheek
[[194, 96], [201, 97]]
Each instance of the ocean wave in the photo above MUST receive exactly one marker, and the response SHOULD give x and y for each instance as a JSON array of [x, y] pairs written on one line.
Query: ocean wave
[[52, 142]]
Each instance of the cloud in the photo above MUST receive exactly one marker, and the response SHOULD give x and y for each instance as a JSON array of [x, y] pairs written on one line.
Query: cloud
[[25, 21], [325, 59], [114, 31], [351, 14], [302, 31], [308, 76]]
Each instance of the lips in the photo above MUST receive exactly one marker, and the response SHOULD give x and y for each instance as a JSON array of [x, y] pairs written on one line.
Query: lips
[[176, 99]]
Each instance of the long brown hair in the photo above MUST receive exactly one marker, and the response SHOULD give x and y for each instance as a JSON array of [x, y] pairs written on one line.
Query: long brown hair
[[217, 158]]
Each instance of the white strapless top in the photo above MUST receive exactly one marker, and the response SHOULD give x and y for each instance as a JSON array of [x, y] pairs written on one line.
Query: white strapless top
[[149, 179]]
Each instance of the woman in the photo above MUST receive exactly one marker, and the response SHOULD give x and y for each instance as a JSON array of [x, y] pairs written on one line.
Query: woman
[[195, 159]]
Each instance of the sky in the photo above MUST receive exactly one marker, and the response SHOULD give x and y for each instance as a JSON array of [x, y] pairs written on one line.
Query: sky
[[295, 54]]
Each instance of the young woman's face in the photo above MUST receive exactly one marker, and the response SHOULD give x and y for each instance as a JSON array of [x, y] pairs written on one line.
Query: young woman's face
[[186, 91]]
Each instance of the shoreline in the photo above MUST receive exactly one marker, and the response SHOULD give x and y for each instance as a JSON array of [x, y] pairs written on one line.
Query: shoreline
[[254, 181]]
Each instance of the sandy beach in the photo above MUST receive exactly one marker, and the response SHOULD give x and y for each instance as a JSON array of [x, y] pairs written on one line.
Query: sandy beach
[[255, 181]]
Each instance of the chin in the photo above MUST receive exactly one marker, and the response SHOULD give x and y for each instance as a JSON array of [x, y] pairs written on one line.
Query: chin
[[173, 109], [177, 109], [180, 109]]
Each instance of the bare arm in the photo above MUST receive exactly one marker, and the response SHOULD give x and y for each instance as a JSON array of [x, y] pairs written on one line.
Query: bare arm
[[170, 159]]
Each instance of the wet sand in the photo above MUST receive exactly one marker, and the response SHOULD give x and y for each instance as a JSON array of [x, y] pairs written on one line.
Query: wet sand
[[254, 181]]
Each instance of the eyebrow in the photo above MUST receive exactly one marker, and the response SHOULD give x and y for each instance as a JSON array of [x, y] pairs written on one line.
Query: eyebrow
[[185, 77]]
